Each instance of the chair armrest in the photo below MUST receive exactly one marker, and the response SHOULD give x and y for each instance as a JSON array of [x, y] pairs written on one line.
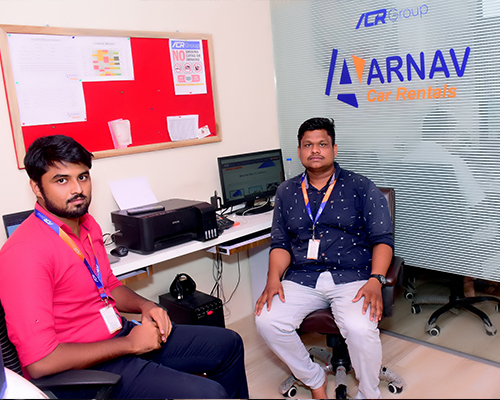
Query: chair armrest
[[394, 270], [392, 277], [77, 377]]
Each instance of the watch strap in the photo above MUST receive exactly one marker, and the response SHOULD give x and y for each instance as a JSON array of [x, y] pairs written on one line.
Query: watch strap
[[380, 278]]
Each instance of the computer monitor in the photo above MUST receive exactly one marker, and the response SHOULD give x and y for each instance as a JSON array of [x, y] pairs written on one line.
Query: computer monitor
[[12, 221], [248, 177]]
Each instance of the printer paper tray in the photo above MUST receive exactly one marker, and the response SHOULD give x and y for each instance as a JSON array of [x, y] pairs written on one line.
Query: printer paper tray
[[169, 241], [163, 243]]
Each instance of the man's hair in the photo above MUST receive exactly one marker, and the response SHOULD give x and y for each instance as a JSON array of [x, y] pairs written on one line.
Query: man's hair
[[44, 152], [313, 124]]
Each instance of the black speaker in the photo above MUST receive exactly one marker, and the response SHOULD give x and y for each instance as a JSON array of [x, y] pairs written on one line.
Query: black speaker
[[195, 309]]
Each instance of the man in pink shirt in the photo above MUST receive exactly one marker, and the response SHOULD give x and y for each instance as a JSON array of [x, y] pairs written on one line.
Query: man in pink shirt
[[62, 300]]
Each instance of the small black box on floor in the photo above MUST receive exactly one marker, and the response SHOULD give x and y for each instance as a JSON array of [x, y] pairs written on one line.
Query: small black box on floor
[[196, 309]]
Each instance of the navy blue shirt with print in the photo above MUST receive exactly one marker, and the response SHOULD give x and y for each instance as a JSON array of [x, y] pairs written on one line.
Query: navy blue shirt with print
[[355, 218]]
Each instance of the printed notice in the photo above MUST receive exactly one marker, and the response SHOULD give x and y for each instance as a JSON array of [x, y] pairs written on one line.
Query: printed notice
[[105, 59], [46, 77], [49, 71], [188, 66]]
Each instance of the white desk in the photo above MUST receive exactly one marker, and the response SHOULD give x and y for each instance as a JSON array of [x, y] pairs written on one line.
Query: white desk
[[248, 225]]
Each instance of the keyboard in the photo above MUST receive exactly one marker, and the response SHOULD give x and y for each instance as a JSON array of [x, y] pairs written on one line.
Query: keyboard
[[262, 237], [223, 223], [251, 237]]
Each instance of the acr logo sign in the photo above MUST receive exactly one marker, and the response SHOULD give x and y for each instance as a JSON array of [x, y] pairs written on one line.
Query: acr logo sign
[[400, 69], [379, 16], [178, 45], [183, 44], [373, 18]]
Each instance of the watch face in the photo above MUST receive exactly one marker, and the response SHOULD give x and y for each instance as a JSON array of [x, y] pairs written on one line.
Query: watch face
[[380, 278]]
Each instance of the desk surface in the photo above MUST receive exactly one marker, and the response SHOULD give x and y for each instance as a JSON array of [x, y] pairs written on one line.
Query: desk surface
[[248, 225]]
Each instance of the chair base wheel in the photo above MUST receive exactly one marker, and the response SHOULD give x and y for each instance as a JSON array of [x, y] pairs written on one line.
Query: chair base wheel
[[434, 330], [291, 392], [395, 382], [490, 330], [409, 295], [287, 388], [394, 389], [341, 392]]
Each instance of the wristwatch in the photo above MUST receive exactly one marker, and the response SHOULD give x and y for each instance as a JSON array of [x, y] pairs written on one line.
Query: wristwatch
[[380, 278]]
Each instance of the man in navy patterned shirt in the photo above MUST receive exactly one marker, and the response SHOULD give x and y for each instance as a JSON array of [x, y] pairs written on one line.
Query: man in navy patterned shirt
[[331, 246]]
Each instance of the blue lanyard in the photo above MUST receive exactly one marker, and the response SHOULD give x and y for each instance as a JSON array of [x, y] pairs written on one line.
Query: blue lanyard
[[65, 237], [323, 202]]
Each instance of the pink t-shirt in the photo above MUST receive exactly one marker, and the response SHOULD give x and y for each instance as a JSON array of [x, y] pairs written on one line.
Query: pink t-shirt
[[46, 290]]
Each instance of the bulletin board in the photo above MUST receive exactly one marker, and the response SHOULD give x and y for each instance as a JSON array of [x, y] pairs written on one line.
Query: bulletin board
[[146, 101]]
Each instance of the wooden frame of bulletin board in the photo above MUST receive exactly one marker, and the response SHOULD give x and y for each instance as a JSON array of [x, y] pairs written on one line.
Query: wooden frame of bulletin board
[[146, 101]]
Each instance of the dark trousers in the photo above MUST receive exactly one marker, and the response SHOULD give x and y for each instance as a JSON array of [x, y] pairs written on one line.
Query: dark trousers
[[175, 371]]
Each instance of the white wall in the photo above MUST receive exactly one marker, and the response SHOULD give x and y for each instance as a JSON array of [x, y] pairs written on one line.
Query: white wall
[[244, 76]]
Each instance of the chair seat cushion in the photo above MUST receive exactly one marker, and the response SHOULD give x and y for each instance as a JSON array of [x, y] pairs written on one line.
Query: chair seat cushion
[[320, 321]]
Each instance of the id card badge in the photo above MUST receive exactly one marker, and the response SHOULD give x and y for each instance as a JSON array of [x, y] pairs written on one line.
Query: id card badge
[[111, 319], [313, 249]]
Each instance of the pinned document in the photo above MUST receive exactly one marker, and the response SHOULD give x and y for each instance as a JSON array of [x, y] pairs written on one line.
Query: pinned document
[[182, 127], [120, 133], [204, 131], [188, 67]]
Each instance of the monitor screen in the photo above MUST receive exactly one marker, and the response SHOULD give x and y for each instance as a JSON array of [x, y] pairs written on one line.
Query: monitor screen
[[248, 177], [12, 221]]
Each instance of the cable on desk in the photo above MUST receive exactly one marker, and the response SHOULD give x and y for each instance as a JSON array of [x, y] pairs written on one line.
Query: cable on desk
[[268, 201], [109, 238]]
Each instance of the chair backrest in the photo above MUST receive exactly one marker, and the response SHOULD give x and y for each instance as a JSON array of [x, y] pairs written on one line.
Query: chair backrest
[[9, 353], [394, 275], [390, 196], [3, 382]]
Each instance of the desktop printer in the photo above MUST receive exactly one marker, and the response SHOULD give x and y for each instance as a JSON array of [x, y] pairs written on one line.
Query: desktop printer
[[164, 224]]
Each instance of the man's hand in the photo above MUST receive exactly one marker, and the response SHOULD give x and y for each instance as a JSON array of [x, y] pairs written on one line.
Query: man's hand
[[372, 292], [272, 288], [279, 260], [141, 339], [151, 312], [146, 337]]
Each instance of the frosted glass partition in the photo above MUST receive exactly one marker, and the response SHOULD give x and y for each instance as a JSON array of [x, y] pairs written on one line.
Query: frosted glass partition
[[414, 91]]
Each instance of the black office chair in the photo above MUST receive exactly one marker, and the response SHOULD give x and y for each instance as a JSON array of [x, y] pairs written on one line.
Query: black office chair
[[102, 382], [321, 321], [447, 214], [3, 379], [456, 300]]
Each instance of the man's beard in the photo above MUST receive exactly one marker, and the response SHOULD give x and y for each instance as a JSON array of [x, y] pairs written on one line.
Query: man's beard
[[78, 212]]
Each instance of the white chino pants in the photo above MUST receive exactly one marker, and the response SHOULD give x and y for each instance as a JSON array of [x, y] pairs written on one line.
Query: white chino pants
[[278, 328]]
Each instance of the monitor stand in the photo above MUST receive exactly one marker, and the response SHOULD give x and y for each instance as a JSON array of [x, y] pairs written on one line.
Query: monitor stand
[[250, 210]]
